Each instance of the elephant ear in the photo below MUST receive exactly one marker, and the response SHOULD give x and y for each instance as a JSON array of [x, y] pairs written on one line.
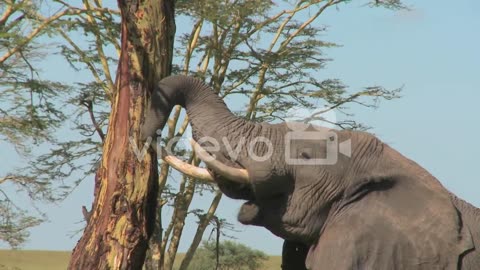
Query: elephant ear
[[394, 223]]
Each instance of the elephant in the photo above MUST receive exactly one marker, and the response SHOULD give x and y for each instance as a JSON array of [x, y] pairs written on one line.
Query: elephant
[[371, 208]]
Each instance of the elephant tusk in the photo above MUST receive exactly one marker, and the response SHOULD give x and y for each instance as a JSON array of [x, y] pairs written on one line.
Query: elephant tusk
[[184, 167], [231, 173], [188, 169]]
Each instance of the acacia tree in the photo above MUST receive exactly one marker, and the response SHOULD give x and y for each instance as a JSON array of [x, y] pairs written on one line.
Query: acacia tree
[[123, 212]]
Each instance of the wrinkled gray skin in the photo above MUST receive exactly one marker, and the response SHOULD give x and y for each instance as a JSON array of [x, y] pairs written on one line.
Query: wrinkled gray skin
[[374, 210]]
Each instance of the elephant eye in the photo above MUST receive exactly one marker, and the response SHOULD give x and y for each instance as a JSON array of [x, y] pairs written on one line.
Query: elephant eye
[[305, 155]]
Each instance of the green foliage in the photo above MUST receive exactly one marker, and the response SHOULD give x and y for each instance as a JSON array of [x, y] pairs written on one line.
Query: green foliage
[[30, 108], [14, 223], [35, 107], [232, 256], [271, 53]]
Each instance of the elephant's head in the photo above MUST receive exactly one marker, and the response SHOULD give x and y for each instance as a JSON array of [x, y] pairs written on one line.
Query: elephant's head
[[292, 175], [302, 182]]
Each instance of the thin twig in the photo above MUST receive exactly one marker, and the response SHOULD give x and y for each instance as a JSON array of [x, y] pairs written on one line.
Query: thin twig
[[38, 30], [99, 45], [89, 105], [6, 15], [5, 179], [85, 60]]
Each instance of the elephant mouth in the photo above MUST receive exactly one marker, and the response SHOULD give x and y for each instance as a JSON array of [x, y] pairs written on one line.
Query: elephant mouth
[[263, 212], [250, 213], [272, 214]]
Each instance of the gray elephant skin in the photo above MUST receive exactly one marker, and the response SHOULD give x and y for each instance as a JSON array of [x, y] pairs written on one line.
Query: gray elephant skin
[[374, 209]]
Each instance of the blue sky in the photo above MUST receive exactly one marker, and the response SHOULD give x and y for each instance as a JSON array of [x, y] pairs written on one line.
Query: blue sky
[[432, 51]]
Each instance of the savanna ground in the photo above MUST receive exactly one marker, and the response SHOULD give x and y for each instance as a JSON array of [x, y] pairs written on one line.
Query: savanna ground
[[58, 260]]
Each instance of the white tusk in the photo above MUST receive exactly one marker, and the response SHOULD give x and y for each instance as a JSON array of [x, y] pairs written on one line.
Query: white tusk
[[231, 173], [188, 169], [184, 167]]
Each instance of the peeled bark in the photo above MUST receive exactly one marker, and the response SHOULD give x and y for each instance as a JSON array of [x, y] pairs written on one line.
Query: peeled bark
[[123, 212]]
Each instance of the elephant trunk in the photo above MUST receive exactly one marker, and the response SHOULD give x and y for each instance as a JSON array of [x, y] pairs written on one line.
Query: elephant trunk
[[209, 116]]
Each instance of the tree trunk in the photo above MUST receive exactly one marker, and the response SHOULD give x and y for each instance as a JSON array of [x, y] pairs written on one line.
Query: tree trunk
[[154, 259], [126, 187], [200, 230], [182, 203]]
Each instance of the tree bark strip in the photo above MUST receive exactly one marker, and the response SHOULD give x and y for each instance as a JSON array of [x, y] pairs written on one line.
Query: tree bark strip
[[123, 214]]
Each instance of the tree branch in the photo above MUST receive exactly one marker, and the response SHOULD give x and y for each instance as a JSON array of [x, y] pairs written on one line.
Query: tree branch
[[308, 22], [37, 31], [5, 179], [200, 230], [181, 208], [89, 105], [99, 45], [8, 12], [86, 214]]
